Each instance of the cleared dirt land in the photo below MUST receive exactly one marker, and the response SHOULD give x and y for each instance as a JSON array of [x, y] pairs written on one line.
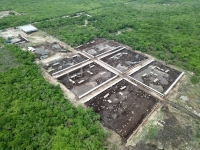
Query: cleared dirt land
[[86, 78], [123, 107], [58, 65], [156, 76], [124, 60], [100, 47]]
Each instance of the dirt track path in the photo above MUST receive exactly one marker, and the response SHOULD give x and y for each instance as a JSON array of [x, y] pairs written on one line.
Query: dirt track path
[[166, 101]]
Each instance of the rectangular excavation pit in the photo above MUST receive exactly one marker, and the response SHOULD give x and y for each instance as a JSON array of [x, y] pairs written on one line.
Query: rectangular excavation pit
[[99, 47], [123, 107], [86, 79], [124, 60], [90, 44], [157, 77], [71, 60], [45, 50]]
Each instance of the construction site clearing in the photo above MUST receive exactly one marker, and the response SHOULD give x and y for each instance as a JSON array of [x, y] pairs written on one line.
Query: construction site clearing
[[83, 80], [157, 76], [58, 65], [124, 59], [91, 44], [37, 42], [124, 86], [123, 106], [101, 48], [46, 49]]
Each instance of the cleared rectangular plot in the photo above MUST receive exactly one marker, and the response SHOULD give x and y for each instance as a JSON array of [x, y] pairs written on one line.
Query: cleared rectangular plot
[[86, 79], [157, 76], [90, 44], [45, 50], [123, 107], [102, 48], [72, 60], [124, 60]]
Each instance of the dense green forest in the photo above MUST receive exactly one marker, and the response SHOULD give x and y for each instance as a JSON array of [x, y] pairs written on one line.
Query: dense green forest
[[166, 29], [7, 60], [35, 115], [37, 10]]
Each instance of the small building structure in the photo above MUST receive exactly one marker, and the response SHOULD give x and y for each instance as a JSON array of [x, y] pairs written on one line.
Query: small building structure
[[16, 40], [28, 28]]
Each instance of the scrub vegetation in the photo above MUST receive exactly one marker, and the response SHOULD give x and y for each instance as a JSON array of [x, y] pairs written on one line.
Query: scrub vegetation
[[7, 60], [35, 115]]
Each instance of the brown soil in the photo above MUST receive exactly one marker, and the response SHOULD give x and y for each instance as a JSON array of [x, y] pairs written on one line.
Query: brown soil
[[123, 110]]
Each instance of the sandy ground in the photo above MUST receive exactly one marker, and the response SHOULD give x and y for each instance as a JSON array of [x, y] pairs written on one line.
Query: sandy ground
[[57, 56], [11, 32], [143, 124], [86, 22], [6, 13]]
